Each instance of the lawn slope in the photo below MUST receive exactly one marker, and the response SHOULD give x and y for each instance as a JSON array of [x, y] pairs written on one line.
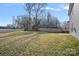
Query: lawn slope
[[38, 43]]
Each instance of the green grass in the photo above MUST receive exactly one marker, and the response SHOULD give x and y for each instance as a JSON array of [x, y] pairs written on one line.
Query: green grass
[[38, 43]]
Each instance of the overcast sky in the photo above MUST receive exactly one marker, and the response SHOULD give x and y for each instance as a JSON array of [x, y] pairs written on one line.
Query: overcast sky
[[59, 10]]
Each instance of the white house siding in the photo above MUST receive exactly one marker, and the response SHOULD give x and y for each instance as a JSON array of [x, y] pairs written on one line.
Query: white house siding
[[74, 21]]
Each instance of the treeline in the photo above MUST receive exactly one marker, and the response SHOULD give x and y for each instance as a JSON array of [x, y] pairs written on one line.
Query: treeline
[[36, 17]]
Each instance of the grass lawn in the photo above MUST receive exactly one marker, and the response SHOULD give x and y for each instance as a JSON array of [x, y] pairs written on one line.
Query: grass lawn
[[38, 43]]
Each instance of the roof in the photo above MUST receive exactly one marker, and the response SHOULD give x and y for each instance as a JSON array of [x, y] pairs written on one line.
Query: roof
[[70, 8]]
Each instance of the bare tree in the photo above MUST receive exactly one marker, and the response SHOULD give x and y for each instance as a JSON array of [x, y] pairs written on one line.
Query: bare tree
[[38, 10], [24, 22], [18, 22], [48, 17], [21, 22], [52, 21], [29, 10]]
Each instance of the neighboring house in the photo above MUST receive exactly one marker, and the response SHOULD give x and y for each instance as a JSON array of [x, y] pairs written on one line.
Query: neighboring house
[[74, 19]]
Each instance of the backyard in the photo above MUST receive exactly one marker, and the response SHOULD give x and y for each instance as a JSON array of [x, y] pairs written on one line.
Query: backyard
[[30, 43]]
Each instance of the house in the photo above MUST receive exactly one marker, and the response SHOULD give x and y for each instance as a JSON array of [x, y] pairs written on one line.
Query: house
[[74, 19]]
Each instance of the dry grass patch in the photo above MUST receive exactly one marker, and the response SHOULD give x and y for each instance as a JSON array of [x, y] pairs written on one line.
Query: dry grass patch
[[38, 43]]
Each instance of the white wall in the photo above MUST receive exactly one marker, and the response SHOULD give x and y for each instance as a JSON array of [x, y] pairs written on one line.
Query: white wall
[[74, 19]]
